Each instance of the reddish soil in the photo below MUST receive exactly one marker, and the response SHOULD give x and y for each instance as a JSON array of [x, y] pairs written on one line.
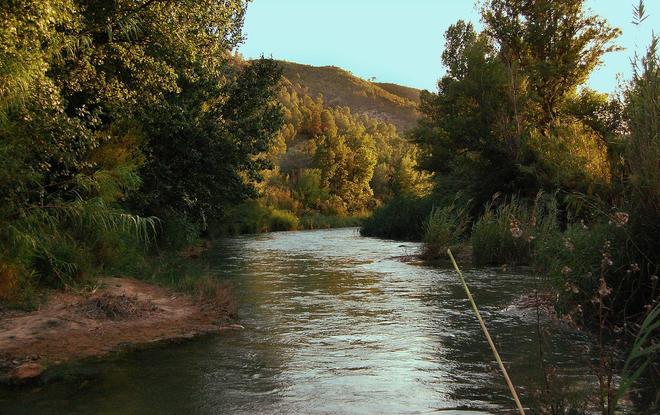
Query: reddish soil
[[120, 312]]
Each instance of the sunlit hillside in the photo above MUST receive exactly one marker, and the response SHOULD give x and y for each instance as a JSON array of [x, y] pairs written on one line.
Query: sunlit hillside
[[387, 102], [407, 92]]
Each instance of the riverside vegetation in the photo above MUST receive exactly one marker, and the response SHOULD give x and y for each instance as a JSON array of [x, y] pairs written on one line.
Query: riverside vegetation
[[129, 130], [547, 172], [125, 128]]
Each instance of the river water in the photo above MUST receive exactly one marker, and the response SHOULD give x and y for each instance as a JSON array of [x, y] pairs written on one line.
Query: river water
[[334, 324]]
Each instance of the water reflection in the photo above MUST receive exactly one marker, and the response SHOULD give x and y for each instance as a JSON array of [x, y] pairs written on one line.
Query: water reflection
[[334, 324]]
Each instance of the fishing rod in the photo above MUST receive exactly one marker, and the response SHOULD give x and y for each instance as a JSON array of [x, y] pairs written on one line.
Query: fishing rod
[[485, 330]]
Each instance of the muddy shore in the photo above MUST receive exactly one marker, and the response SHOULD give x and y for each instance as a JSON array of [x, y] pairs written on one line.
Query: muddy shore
[[119, 313]]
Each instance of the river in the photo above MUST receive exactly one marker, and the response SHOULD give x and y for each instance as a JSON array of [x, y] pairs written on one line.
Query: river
[[334, 324]]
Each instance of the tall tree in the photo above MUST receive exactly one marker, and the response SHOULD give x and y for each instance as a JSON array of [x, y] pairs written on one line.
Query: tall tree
[[556, 43]]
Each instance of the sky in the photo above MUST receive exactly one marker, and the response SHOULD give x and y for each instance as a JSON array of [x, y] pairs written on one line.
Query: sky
[[400, 41]]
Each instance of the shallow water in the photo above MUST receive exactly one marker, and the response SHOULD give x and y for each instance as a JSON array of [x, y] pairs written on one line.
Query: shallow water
[[334, 323]]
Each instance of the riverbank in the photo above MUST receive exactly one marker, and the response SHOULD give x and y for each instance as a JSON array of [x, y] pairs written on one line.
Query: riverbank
[[117, 313]]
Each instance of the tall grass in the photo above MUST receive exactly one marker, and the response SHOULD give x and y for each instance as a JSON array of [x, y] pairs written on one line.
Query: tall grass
[[444, 229], [504, 233], [66, 238], [643, 352]]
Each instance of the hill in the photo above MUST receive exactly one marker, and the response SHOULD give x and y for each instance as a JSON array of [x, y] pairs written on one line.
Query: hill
[[387, 102], [407, 92]]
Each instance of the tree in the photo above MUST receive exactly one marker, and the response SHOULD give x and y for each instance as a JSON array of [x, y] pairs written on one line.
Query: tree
[[466, 133], [204, 154], [555, 42], [100, 99], [458, 38]]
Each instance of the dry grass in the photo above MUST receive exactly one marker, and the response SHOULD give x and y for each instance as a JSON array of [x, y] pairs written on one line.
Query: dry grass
[[117, 307], [8, 280], [217, 295]]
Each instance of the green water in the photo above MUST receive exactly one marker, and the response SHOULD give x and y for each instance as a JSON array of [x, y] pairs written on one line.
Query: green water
[[333, 324]]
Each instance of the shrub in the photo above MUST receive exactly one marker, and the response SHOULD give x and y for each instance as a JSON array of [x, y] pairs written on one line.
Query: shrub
[[572, 260], [18, 288], [588, 258], [247, 218], [177, 231], [280, 198], [316, 220], [62, 262], [282, 220], [117, 252], [503, 234], [402, 218], [444, 228], [334, 206], [309, 188], [254, 217]]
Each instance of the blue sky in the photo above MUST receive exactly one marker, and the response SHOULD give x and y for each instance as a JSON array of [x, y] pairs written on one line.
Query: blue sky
[[401, 41]]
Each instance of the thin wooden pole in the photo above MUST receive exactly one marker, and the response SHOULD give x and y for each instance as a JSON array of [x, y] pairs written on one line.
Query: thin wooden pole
[[485, 330]]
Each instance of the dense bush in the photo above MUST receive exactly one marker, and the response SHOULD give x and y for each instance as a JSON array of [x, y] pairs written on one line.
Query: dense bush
[[575, 259], [444, 228], [282, 220], [316, 220], [401, 218], [254, 217], [503, 234]]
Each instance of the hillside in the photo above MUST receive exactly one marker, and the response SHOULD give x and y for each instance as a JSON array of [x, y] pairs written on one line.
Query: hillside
[[407, 92], [387, 102]]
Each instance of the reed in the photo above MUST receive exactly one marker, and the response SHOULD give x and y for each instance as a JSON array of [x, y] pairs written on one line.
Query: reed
[[512, 389]]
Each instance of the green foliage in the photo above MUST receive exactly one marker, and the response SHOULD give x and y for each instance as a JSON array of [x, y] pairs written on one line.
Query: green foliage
[[642, 354], [111, 114], [177, 231], [282, 220], [248, 218], [331, 159], [444, 228], [507, 117], [468, 132], [570, 156], [572, 260], [503, 234], [316, 220], [254, 217], [555, 46], [309, 189], [401, 218], [197, 165], [459, 37], [642, 149]]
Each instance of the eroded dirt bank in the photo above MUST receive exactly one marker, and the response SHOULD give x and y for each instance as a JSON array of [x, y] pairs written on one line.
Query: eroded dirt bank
[[120, 312]]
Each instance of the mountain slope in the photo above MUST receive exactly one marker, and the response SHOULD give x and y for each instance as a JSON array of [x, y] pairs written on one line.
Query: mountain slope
[[407, 92], [387, 102]]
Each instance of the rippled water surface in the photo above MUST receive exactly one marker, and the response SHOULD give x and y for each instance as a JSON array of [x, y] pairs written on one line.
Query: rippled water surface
[[334, 323]]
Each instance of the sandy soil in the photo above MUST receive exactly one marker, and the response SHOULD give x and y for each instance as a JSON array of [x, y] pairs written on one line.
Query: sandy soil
[[120, 312]]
